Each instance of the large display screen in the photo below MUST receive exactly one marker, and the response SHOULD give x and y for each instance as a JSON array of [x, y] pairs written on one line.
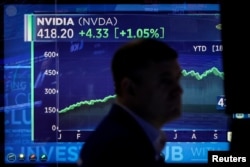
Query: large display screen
[[58, 83]]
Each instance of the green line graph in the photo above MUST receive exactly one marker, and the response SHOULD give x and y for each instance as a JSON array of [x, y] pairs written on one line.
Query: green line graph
[[198, 76], [87, 102], [192, 73]]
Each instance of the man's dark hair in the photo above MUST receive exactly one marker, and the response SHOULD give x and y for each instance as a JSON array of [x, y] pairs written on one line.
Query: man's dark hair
[[137, 55]]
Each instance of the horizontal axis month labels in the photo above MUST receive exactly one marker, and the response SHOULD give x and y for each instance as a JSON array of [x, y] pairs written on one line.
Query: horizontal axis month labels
[[172, 135]]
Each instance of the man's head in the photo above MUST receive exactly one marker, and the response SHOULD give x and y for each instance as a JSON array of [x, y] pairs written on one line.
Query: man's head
[[146, 73]]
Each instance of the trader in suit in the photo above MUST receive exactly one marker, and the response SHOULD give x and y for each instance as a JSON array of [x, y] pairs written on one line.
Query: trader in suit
[[146, 76]]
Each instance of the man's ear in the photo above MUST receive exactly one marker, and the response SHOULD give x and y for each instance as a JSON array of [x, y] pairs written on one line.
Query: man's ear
[[128, 86]]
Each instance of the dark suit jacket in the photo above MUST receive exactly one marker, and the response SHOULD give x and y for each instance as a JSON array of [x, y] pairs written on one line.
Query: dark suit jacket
[[118, 141]]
